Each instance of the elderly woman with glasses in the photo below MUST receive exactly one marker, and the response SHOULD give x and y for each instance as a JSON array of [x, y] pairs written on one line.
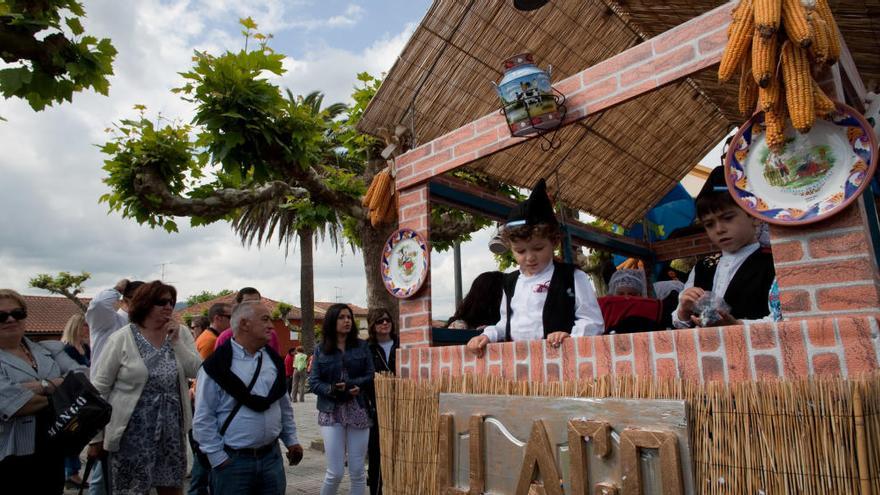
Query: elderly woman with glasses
[[143, 373], [29, 373]]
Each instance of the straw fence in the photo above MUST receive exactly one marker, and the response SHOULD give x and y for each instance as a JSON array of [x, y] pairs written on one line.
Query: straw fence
[[816, 436]]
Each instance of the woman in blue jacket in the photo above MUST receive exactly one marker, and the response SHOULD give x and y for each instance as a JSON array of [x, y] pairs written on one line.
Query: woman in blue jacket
[[341, 370]]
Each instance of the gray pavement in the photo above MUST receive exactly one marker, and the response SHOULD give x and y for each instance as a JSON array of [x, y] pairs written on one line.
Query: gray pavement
[[306, 478]]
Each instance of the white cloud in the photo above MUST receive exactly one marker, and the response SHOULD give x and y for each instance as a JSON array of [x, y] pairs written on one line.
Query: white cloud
[[332, 70]]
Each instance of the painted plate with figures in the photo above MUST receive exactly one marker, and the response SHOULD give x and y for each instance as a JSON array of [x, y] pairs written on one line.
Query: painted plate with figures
[[404, 263], [814, 176]]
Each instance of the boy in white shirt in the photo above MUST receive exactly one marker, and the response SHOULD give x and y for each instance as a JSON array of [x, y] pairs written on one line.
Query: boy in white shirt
[[744, 273], [543, 299]]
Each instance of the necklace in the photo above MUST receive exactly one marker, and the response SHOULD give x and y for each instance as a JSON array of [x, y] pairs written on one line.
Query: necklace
[[28, 355]]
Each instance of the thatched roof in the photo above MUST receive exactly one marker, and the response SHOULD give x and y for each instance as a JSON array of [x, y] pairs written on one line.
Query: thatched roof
[[615, 164]]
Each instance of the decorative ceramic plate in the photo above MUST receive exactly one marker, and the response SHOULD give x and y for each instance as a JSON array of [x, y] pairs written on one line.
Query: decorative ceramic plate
[[813, 177], [404, 263]]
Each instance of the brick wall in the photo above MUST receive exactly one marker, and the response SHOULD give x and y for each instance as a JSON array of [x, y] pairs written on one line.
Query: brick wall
[[683, 247], [826, 268], [414, 209], [844, 346], [677, 53]]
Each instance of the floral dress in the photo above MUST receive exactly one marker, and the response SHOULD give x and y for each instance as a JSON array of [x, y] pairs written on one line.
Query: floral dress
[[151, 452], [348, 413]]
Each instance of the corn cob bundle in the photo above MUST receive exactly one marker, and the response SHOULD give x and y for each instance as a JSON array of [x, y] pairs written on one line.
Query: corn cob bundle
[[767, 16], [798, 86], [380, 198], [787, 39], [739, 39], [748, 88]]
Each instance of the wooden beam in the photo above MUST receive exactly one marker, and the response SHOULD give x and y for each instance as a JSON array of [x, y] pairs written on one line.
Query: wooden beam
[[668, 57]]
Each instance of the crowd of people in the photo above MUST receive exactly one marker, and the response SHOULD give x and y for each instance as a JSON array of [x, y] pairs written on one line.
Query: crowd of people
[[227, 389]]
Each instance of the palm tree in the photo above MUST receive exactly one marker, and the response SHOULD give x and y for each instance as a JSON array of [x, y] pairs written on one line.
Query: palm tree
[[299, 219]]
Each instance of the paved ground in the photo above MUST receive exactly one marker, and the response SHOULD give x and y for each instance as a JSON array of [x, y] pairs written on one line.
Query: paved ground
[[305, 478]]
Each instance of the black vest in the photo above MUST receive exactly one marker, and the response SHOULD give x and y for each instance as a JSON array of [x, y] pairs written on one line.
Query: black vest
[[558, 312], [749, 287]]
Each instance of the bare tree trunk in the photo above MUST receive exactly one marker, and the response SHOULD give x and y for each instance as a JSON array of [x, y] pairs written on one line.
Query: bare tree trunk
[[79, 304], [373, 240], [307, 288]]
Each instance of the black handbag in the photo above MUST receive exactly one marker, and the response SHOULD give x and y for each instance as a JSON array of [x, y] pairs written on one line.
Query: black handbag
[[80, 413]]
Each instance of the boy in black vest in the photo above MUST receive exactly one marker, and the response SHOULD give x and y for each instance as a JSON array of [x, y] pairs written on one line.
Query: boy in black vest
[[543, 299], [743, 274]]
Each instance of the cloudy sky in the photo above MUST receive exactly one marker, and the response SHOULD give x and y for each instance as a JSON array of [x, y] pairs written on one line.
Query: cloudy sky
[[51, 167]]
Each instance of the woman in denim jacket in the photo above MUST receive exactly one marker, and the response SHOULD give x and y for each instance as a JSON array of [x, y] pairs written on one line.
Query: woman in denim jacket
[[341, 369]]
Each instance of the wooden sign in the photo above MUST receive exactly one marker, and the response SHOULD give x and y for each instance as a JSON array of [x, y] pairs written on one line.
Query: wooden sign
[[563, 446]]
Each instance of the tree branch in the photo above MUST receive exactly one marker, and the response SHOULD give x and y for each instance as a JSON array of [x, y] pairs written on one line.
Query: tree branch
[[310, 180], [23, 46], [154, 193]]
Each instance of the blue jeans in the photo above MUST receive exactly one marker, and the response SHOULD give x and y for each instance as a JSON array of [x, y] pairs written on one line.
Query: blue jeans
[[96, 480], [250, 475], [200, 476], [72, 466]]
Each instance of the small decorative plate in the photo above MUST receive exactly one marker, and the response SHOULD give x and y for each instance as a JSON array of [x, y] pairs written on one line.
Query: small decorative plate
[[815, 176], [404, 263]]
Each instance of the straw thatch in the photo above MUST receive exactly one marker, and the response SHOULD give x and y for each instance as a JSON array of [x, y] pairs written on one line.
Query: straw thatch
[[634, 153], [816, 436]]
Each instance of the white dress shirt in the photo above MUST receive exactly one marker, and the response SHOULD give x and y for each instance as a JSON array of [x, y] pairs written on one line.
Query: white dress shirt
[[249, 428], [527, 320], [728, 265], [103, 319]]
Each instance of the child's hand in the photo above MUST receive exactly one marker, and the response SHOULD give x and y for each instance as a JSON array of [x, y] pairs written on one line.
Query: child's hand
[[686, 302], [557, 338], [477, 345]]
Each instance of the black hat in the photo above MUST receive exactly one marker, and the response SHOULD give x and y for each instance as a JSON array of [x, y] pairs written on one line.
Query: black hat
[[533, 211], [714, 184]]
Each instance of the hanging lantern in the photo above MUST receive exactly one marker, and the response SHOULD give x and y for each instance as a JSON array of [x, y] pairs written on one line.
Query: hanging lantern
[[527, 97]]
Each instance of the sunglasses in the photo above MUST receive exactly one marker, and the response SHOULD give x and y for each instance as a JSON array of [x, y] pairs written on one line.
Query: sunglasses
[[164, 302], [18, 314], [382, 321]]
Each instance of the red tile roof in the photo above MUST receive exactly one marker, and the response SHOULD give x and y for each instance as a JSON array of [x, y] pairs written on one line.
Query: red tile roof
[[47, 315], [202, 308], [322, 307]]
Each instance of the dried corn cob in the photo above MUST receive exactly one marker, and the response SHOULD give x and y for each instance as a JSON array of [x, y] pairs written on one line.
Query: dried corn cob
[[794, 18], [763, 58], [769, 97], [824, 11], [798, 86], [386, 213], [739, 39], [748, 88], [369, 194], [380, 195], [375, 221], [824, 104], [774, 127], [821, 46], [767, 16]]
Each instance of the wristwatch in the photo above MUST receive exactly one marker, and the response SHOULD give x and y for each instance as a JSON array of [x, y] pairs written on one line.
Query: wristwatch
[[45, 384]]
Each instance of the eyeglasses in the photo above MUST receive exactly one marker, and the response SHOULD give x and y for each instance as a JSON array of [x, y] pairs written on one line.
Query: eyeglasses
[[382, 321], [163, 302], [18, 314]]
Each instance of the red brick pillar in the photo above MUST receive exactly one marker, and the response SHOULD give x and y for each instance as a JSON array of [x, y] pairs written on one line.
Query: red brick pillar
[[414, 212], [827, 268]]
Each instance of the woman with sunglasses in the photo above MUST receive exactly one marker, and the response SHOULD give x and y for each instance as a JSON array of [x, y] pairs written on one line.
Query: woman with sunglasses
[[29, 373], [143, 373], [383, 346]]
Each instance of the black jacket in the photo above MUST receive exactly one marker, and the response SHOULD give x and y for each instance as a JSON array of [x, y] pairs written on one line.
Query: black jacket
[[380, 363]]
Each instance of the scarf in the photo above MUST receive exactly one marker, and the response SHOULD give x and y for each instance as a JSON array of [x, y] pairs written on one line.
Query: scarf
[[219, 367]]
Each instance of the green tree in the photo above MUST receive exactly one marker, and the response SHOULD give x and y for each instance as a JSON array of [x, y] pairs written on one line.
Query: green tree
[[65, 284], [299, 220], [48, 54], [256, 158], [206, 296]]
